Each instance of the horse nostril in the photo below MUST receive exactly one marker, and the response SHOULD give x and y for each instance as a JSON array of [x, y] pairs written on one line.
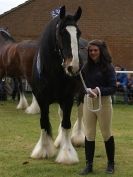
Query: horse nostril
[[70, 68]]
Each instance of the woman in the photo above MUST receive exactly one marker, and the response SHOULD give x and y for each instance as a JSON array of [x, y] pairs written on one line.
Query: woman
[[99, 75]]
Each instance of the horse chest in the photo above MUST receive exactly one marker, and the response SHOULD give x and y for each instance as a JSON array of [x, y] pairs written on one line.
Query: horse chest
[[57, 88]]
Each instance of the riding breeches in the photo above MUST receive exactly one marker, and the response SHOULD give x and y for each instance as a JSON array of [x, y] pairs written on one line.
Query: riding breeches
[[103, 116]]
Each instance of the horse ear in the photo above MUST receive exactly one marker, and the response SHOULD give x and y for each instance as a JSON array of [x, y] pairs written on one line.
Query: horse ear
[[62, 12], [77, 15]]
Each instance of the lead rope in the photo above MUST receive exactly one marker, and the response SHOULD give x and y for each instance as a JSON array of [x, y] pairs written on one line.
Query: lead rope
[[89, 90]]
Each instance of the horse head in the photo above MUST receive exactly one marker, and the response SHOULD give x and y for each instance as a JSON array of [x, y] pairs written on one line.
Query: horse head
[[5, 36], [67, 36]]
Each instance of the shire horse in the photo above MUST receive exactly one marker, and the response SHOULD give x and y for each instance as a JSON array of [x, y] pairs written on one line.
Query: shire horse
[[55, 79], [77, 134], [16, 60]]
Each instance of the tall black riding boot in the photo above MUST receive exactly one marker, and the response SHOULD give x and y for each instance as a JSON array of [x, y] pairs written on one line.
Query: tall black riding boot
[[110, 151], [89, 154]]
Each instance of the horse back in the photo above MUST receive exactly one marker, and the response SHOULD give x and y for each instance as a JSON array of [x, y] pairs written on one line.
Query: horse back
[[26, 51]]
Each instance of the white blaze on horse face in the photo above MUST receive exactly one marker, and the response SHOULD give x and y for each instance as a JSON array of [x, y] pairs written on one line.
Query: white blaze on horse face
[[74, 47]]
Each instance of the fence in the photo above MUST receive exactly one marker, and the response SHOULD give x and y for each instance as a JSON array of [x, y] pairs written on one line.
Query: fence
[[124, 95], [117, 98]]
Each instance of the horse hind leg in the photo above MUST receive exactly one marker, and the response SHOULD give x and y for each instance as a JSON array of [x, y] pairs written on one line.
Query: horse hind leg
[[78, 136], [15, 90], [59, 137], [34, 107], [23, 104]]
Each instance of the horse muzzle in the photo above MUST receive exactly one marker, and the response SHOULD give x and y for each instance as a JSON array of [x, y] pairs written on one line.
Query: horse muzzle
[[71, 68]]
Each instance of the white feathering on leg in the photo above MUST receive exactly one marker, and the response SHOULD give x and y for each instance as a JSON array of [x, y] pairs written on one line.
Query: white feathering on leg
[[78, 136], [22, 102], [67, 153], [44, 148], [59, 137], [34, 107]]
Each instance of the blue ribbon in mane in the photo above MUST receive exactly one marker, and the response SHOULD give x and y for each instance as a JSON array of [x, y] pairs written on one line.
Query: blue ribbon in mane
[[55, 12]]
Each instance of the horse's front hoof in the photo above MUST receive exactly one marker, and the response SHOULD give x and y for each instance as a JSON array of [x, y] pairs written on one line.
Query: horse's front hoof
[[44, 147], [67, 155]]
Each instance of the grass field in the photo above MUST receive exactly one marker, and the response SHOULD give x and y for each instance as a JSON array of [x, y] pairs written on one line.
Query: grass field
[[19, 133]]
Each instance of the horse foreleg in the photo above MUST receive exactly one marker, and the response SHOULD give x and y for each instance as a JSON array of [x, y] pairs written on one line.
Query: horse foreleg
[[44, 147], [67, 153], [15, 89], [34, 107], [78, 136]]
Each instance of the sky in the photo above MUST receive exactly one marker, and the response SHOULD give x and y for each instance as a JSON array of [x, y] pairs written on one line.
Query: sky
[[6, 5]]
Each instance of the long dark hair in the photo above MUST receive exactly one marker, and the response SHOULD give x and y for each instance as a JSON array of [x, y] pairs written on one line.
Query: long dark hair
[[105, 57]]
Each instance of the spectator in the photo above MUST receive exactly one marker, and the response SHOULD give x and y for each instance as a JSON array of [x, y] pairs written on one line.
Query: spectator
[[130, 88], [122, 82], [3, 94]]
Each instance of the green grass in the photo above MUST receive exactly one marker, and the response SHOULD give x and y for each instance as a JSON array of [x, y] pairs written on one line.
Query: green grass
[[20, 132]]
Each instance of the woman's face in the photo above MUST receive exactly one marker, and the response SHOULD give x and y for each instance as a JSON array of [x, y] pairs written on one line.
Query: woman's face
[[94, 52]]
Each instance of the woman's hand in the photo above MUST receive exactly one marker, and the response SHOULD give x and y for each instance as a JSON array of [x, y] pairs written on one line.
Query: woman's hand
[[93, 93]]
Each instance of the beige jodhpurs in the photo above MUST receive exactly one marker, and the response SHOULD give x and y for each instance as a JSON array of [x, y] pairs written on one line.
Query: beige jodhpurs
[[104, 117]]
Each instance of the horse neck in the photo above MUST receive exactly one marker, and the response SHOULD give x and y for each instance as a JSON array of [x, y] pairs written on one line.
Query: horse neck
[[2, 42], [50, 34]]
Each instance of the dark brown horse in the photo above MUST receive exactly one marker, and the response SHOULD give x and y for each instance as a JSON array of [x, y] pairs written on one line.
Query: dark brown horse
[[16, 61]]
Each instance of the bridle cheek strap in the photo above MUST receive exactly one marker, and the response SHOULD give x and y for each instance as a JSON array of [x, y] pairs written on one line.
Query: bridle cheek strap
[[59, 43]]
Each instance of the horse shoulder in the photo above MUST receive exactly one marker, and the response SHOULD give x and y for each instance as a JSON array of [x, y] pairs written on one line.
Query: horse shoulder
[[26, 50]]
